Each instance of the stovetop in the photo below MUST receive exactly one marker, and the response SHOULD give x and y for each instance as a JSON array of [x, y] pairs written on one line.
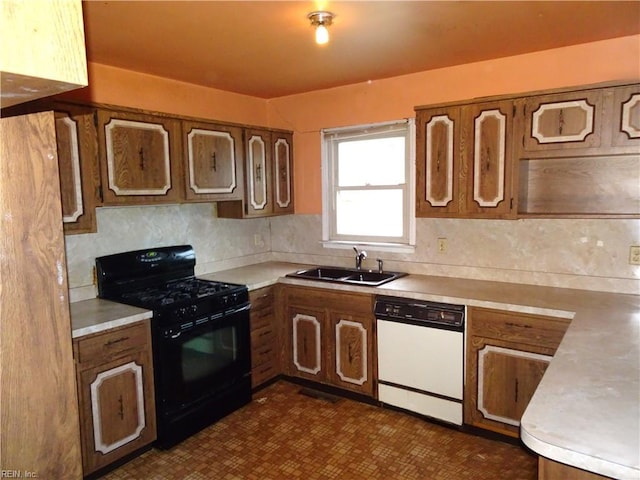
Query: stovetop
[[179, 291], [162, 279]]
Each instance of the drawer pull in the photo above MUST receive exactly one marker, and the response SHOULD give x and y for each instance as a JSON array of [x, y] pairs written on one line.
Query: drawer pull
[[265, 351], [518, 325], [265, 369], [117, 340], [268, 332]]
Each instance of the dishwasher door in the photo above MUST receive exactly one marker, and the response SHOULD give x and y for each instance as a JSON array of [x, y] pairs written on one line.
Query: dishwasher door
[[421, 369]]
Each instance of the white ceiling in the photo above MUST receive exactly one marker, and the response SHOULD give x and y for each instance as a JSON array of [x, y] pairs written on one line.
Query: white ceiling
[[266, 48]]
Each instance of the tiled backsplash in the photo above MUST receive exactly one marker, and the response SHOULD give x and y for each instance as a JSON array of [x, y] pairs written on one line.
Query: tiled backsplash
[[585, 254]]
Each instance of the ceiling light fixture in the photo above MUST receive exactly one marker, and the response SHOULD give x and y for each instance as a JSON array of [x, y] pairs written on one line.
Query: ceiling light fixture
[[321, 20]]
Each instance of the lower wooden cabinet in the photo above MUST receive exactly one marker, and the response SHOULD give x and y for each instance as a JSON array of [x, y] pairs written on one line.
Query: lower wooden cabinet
[[507, 355], [265, 337], [330, 337], [115, 389], [551, 470]]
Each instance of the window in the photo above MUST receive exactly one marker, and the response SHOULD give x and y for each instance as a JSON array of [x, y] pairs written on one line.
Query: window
[[368, 195]]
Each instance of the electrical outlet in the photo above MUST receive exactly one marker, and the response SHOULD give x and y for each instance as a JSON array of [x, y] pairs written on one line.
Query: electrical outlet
[[634, 255], [257, 240], [442, 245]]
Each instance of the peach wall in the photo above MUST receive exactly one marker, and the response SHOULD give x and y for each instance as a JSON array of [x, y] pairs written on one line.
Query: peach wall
[[117, 86], [394, 98]]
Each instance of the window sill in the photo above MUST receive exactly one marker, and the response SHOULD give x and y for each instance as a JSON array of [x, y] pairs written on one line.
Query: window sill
[[377, 247]]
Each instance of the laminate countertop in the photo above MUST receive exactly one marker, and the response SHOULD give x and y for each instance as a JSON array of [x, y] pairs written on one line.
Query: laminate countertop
[[586, 410]]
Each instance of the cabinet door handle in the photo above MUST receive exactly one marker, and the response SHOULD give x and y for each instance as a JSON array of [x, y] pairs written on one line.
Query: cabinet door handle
[[304, 346], [117, 340], [488, 159], [214, 166], [258, 173], [349, 353], [141, 155], [121, 408], [516, 392], [560, 122], [438, 161], [283, 173], [518, 325]]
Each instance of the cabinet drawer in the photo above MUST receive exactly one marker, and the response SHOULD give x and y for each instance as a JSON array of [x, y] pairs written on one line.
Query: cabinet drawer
[[263, 336], [264, 372], [517, 327], [262, 318], [262, 298], [107, 346], [261, 354]]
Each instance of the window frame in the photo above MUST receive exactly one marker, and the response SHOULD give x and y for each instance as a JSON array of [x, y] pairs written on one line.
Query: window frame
[[330, 137]]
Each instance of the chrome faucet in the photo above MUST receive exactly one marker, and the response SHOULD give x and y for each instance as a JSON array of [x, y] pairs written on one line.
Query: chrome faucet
[[360, 256]]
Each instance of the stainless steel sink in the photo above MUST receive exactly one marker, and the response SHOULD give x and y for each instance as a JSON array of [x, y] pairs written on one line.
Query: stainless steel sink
[[346, 275]]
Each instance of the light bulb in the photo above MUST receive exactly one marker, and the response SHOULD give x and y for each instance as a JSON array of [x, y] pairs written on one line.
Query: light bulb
[[322, 35]]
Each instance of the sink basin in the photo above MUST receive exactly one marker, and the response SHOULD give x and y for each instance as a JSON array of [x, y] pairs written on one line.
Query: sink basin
[[346, 275]]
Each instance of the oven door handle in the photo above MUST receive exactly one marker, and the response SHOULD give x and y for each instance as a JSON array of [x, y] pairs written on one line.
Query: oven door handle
[[176, 335]]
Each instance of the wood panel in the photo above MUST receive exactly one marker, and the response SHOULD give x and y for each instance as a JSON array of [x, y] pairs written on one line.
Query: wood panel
[[580, 186], [42, 51], [39, 417], [551, 470]]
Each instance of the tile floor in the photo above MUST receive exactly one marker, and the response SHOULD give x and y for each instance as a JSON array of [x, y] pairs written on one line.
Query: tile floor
[[284, 434]]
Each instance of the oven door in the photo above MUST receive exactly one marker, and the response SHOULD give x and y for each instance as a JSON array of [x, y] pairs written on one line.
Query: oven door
[[201, 360]]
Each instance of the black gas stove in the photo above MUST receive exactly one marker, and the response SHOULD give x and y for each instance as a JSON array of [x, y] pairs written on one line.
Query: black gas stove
[[200, 332]]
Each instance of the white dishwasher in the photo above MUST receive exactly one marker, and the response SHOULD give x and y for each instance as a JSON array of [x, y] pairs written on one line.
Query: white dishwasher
[[421, 356]]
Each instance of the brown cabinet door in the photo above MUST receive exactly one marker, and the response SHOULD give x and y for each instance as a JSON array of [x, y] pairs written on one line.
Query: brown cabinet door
[[282, 173], [139, 158], [437, 162], [78, 167], [507, 379], [352, 352], [259, 195], [501, 379], [213, 161], [564, 121], [626, 117], [486, 158], [306, 343], [117, 410]]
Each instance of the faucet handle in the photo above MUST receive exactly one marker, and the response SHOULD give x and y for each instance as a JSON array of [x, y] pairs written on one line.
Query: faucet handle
[[379, 265]]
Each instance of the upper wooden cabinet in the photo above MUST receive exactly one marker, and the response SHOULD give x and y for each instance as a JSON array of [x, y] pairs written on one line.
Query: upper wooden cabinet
[[42, 49], [214, 161], [626, 117], [564, 121], [268, 176], [577, 154], [78, 166], [463, 160], [139, 158], [438, 161]]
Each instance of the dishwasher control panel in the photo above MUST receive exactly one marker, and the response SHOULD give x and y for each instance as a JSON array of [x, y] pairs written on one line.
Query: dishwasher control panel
[[420, 312]]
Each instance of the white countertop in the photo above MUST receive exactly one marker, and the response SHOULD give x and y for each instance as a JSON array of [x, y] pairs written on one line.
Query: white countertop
[[586, 410], [97, 315]]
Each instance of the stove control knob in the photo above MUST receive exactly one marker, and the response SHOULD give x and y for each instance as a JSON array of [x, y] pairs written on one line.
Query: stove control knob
[[193, 308]]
